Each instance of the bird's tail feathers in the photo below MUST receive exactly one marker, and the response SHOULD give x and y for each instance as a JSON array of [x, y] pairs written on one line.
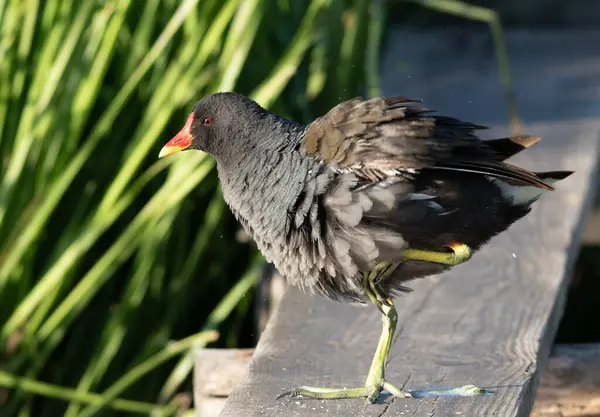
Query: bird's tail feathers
[[552, 177], [507, 147]]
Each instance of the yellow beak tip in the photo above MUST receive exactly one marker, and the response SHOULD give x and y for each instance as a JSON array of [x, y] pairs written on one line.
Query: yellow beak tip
[[168, 150]]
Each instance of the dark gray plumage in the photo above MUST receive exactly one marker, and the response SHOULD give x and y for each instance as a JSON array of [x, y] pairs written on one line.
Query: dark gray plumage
[[326, 201], [373, 194]]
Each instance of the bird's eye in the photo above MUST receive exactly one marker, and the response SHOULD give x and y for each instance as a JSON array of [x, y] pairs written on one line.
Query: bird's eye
[[207, 121]]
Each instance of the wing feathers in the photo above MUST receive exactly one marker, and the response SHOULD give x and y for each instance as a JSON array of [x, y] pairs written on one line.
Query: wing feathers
[[376, 137]]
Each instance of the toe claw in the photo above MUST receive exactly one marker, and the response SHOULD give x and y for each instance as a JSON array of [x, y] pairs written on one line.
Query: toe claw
[[289, 393]]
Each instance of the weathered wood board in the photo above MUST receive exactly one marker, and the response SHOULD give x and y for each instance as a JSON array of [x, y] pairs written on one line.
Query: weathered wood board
[[569, 387], [216, 373], [491, 321]]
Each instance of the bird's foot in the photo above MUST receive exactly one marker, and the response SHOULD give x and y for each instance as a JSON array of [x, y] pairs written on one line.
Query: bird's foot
[[370, 393]]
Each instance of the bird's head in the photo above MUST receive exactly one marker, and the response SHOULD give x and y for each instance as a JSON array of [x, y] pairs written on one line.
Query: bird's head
[[219, 123]]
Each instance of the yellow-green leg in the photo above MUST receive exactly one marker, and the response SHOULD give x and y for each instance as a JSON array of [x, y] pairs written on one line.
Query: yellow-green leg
[[376, 382], [460, 253], [376, 377]]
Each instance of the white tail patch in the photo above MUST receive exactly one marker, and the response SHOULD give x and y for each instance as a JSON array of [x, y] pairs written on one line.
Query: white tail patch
[[521, 194]]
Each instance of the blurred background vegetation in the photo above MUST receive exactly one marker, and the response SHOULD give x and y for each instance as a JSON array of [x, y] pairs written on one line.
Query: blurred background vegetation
[[114, 264]]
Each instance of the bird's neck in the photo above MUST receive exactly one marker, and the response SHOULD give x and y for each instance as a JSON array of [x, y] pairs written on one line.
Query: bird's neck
[[262, 186], [266, 134]]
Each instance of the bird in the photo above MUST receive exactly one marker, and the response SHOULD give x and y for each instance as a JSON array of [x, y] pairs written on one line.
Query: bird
[[355, 204]]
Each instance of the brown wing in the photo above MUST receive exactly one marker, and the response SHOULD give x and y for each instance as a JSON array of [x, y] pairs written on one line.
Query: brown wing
[[377, 137]]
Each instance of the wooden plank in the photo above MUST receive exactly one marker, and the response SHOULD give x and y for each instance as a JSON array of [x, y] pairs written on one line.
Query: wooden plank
[[570, 385], [216, 373], [489, 322]]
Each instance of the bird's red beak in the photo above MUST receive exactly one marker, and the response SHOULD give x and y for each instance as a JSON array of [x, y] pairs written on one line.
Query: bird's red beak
[[181, 140]]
